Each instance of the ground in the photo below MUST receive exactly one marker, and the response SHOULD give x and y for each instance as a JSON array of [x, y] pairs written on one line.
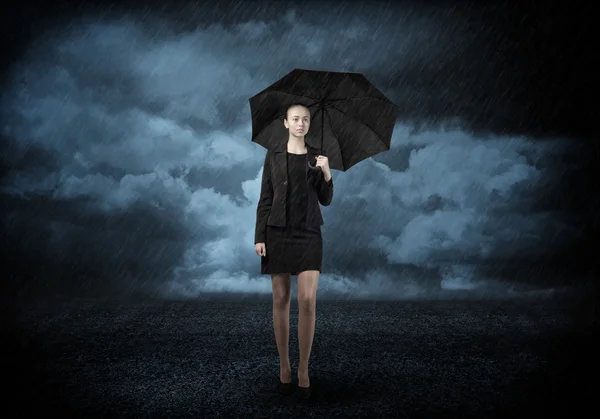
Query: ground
[[480, 359]]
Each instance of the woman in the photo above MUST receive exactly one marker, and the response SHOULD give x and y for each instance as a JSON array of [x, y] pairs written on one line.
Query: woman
[[288, 237]]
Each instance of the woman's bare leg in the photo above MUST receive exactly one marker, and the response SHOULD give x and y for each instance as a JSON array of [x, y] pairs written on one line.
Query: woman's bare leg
[[307, 308], [281, 323]]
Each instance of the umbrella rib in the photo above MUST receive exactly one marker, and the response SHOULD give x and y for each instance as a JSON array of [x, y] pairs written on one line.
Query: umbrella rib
[[362, 97], [360, 122], [293, 94], [332, 130], [330, 123]]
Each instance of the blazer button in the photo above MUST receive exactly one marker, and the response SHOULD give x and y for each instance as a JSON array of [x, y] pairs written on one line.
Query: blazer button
[[285, 183]]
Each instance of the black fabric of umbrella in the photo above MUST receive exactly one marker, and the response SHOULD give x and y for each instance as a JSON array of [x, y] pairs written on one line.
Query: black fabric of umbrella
[[350, 119]]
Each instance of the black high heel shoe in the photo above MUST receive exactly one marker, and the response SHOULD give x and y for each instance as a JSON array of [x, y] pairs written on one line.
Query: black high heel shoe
[[304, 392], [285, 388]]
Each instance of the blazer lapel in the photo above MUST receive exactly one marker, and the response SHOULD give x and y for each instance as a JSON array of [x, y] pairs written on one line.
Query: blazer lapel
[[280, 165]]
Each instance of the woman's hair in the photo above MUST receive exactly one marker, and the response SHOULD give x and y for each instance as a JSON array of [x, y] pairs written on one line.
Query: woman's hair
[[291, 106]]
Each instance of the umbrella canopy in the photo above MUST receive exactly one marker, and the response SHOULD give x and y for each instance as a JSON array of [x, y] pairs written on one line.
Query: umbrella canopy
[[350, 119]]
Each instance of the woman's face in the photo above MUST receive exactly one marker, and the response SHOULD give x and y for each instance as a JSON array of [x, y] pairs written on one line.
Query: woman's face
[[298, 121]]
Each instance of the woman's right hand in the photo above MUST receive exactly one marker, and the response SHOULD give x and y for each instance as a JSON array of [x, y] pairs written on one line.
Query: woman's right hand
[[260, 249]]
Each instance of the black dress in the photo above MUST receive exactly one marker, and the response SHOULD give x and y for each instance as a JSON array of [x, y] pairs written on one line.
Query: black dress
[[295, 247]]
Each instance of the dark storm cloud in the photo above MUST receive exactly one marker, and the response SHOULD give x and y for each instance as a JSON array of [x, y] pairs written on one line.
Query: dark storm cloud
[[130, 149]]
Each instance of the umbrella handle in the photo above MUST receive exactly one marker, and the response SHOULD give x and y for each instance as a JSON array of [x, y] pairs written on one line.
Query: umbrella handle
[[315, 167]]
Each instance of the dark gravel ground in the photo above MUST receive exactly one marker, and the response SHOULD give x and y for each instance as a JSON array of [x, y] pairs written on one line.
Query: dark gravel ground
[[203, 359]]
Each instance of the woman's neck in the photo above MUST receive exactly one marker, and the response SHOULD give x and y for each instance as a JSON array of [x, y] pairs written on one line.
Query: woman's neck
[[296, 145]]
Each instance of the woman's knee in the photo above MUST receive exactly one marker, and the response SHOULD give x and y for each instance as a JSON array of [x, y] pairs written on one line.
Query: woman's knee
[[307, 290], [307, 302], [281, 290]]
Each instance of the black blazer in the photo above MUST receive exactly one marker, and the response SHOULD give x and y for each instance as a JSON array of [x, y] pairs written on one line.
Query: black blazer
[[271, 205]]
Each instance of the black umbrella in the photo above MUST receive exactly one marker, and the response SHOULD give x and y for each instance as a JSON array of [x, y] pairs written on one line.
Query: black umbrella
[[350, 119]]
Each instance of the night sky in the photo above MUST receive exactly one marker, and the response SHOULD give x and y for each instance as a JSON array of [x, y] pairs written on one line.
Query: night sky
[[128, 166]]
